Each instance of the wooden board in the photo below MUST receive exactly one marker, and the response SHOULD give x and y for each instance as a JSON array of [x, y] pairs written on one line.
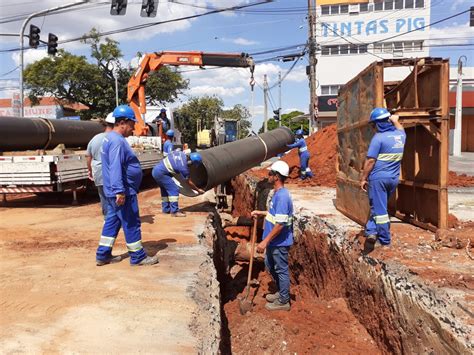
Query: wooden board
[[421, 99]]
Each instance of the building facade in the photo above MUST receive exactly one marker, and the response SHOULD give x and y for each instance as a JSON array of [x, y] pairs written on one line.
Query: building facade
[[351, 34]]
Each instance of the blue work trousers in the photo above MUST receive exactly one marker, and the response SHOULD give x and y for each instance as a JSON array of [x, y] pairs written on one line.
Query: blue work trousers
[[276, 262], [378, 224], [103, 200], [169, 192], [304, 166], [127, 217]]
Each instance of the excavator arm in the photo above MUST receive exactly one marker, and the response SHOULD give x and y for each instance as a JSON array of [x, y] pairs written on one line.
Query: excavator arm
[[154, 61]]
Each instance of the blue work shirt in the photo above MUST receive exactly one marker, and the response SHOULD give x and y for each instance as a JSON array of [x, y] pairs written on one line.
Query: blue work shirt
[[93, 150], [281, 212], [175, 163], [387, 149], [167, 147], [121, 169], [301, 145]]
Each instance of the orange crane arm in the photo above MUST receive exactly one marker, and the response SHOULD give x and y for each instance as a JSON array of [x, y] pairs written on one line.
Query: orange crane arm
[[154, 61]]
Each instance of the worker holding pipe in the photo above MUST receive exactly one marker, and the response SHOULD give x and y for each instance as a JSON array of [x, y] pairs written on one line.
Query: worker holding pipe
[[174, 163], [122, 175], [381, 174], [94, 160], [278, 237], [168, 145], [305, 170]]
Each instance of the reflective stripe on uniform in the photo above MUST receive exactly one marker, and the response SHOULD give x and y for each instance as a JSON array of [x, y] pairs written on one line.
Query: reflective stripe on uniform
[[382, 219], [133, 247], [279, 218], [168, 165], [308, 170], [107, 241], [303, 149], [390, 157], [173, 198], [176, 181], [165, 199]]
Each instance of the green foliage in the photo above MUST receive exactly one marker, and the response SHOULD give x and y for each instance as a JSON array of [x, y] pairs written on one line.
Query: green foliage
[[286, 121], [204, 110], [71, 78]]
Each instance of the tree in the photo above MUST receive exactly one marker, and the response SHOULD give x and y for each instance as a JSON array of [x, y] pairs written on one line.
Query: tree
[[286, 120], [73, 79], [202, 110], [242, 114]]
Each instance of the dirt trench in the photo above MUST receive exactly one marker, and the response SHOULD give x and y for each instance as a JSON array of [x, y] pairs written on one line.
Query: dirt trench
[[341, 302]]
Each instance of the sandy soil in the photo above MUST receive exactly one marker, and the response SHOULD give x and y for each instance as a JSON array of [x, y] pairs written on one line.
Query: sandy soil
[[55, 299]]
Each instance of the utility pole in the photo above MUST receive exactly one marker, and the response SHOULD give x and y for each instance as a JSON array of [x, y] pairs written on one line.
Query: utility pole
[[313, 104], [22, 30], [279, 99], [265, 108], [116, 74], [458, 118]]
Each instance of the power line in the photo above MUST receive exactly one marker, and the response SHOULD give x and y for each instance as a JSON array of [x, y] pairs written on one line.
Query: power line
[[10, 71]]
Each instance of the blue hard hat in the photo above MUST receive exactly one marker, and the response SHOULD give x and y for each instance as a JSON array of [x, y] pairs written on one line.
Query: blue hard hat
[[195, 158], [299, 132], [163, 110], [170, 133], [124, 111], [379, 114]]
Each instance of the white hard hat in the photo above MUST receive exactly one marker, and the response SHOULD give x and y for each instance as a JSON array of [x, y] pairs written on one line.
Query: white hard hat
[[281, 167], [110, 118]]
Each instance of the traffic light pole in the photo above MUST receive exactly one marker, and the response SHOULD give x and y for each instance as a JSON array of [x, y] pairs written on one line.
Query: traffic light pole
[[22, 30]]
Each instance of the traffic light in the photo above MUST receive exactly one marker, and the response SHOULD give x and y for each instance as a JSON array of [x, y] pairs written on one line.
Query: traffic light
[[149, 8], [118, 7], [276, 113], [34, 36], [52, 44], [472, 17]]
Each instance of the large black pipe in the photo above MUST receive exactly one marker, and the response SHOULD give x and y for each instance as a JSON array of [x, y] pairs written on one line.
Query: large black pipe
[[222, 163], [19, 133]]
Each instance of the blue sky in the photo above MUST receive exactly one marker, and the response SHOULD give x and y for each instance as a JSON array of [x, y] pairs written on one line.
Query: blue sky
[[244, 31]]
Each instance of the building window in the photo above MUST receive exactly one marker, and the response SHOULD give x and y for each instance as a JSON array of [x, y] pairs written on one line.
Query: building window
[[330, 89], [363, 49], [364, 7], [387, 47], [377, 47], [325, 89], [324, 10], [324, 50], [420, 4], [408, 46], [409, 4], [378, 6], [334, 9], [344, 49], [333, 50], [398, 4], [388, 5], [344, 9]]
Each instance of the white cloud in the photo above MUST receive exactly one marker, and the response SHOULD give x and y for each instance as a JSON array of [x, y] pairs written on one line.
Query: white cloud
[[453, 34], [244, 42], [457, 3], [8, 87], [29, 56], [215, 90]]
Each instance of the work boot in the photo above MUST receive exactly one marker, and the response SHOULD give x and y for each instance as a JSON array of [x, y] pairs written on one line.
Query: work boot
[[178, 214], [369, 244], [278, 306], [272, 297], [111, 260], [149, 260]]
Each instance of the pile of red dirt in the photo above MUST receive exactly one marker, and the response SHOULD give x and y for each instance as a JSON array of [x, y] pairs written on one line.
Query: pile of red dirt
[[462, 180], [322, 149]]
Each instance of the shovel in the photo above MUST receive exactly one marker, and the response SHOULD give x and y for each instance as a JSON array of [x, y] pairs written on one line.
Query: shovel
[[245, 304]]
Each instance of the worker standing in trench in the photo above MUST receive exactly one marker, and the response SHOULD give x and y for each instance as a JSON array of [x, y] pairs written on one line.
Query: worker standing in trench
[[278, 237], [381, 174], [122, 175], [94, 160], [168, 145], [174, 163], [305, 170]]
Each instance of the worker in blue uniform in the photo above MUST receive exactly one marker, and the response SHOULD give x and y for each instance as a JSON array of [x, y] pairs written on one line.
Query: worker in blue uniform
[[168, 145], [277, 237], [305, 170], [163, 119], [381, 173], [122, 175], [174, 163]]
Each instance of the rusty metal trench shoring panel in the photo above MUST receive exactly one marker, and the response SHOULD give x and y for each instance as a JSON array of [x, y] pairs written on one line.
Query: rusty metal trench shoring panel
[[421, 101], [21, 133], [222, 163]]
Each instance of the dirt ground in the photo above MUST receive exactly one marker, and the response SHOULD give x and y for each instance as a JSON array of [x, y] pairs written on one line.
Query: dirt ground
[[54, 299]]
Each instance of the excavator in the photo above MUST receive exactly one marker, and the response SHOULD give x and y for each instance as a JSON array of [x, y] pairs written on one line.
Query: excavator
[[154, 61]]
